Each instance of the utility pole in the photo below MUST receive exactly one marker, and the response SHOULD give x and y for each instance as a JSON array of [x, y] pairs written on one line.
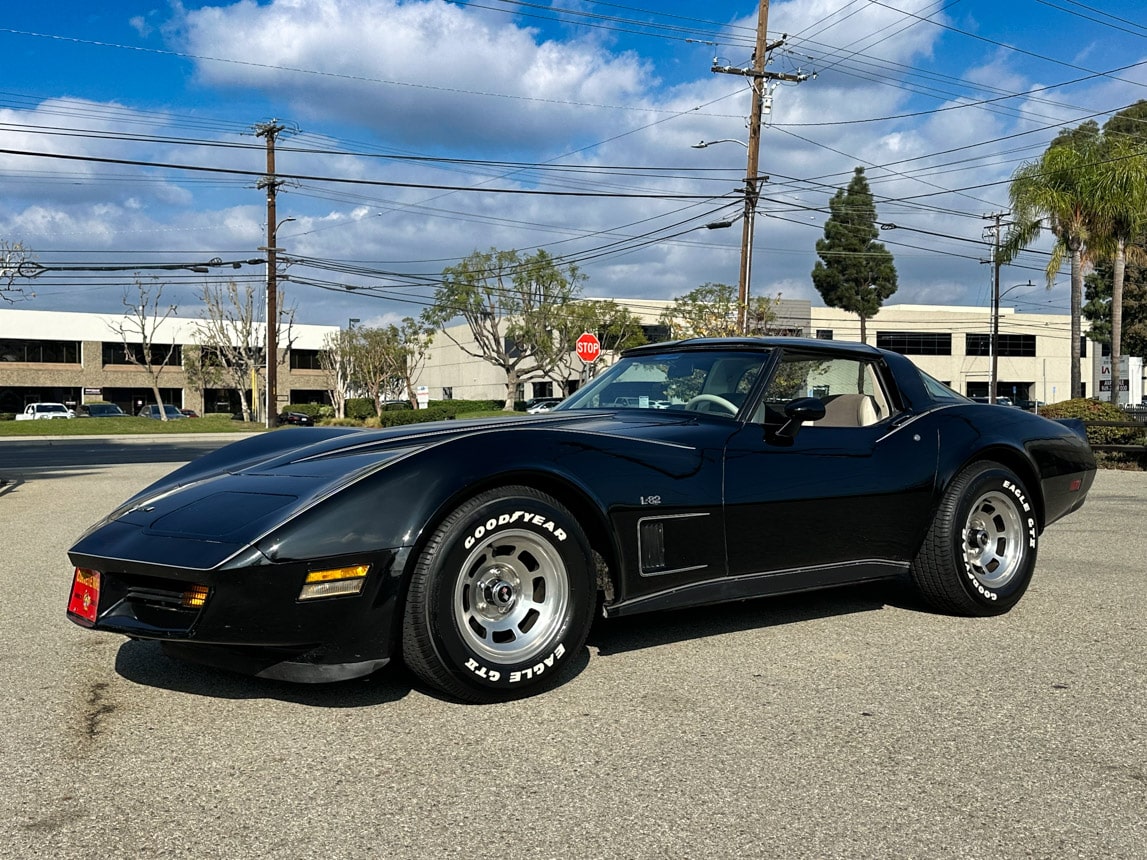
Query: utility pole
[[270, 130], [757, 76], [994, 344]]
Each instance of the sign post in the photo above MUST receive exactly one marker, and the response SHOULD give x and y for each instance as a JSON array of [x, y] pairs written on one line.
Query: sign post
[[588, 347]]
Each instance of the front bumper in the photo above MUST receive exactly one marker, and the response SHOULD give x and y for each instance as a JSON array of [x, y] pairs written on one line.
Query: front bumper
[[252, 620]]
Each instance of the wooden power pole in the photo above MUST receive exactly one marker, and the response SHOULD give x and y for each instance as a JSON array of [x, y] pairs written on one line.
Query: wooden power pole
[[757, 76], [270, 130]]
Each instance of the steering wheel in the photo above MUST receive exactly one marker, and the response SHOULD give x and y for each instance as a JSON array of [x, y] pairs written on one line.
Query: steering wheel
[[710, 398]]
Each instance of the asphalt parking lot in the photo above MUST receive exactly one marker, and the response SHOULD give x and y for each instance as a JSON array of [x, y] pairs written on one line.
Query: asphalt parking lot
[[852, 723]]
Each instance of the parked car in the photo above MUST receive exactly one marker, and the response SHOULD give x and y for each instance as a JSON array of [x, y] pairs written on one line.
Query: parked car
[[101, 410], [189, 413], [301, 419], [152, 411], [478, 550], [542, 404], [44, 411]]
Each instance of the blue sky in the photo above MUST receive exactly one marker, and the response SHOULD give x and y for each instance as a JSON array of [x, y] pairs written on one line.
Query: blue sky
[[423, 130]]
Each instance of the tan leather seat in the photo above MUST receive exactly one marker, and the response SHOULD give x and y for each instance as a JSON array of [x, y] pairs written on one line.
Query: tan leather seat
[[848, 410]]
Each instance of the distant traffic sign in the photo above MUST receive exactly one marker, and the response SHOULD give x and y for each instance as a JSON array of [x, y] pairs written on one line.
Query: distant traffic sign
[[588, 347]]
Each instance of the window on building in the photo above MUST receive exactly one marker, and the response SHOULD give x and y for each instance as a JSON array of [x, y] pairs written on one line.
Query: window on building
[[915, 342], [448, 392], [655, 333], [40, 351], [543, 389], [1105, 350], [824, 334], [310, 395], [1011, 345], [306, 359], [1083, 347], [161, 354]]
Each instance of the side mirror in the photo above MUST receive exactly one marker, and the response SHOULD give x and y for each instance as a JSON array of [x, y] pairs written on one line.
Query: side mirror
[[797, 412]]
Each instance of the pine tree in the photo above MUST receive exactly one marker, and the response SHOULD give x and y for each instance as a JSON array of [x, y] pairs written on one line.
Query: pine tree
[[855, 272]]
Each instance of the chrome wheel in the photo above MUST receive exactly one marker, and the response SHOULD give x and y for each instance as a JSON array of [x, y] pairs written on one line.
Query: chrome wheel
[[994, 540], [511, 597]]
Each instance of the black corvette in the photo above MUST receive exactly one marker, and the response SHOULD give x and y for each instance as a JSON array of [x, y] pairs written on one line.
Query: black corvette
[[476, 551]]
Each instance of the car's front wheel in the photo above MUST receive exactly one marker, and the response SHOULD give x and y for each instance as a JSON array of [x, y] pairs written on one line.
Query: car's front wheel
[[980, 552], [501, 599]]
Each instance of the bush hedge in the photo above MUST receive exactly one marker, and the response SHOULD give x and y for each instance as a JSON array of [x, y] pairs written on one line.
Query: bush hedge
[[317, 411], [1097, 410]]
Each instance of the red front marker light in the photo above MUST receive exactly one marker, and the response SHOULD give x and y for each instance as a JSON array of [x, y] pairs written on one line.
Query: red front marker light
[[85, 600]]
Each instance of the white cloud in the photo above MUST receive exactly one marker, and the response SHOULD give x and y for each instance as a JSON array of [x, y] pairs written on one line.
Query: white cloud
[[433, 78]]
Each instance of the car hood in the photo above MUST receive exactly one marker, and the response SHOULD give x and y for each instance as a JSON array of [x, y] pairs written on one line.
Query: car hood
[[214, 508]]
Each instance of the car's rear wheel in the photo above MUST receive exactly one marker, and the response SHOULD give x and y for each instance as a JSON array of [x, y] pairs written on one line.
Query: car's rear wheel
[[980, 552], [501, 599]]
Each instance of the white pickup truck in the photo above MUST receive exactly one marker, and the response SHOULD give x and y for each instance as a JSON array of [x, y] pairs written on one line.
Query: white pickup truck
[[35, 411]]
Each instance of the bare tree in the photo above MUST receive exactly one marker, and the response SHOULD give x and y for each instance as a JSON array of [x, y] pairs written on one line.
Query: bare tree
[[200, 373], [413, 340], [13, 255], [377, 362], [233, 335], [139, 332], [510, 305], [337, 362], [712, 310]]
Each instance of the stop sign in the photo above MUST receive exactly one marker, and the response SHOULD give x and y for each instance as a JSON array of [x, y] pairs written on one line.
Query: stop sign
[[588, 347]]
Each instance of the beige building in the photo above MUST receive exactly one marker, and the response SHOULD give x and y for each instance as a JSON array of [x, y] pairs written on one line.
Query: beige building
[[77, 358], [952, 343]]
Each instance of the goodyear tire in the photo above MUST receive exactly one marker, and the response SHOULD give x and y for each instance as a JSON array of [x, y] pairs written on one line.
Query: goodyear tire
[[980, 552], [501, 599]]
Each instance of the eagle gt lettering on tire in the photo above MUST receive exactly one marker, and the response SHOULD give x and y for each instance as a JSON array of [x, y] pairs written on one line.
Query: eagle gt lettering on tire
[[501, 599], [980, 552]]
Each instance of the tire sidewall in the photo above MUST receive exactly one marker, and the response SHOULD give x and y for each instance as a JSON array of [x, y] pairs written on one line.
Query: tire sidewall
[[481, 523], [1003, 481]]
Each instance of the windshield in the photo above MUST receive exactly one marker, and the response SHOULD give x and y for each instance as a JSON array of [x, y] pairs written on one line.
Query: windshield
[[699, 381]]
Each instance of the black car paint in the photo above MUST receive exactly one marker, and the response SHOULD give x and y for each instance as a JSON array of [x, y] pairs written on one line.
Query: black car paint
[[735, 513]]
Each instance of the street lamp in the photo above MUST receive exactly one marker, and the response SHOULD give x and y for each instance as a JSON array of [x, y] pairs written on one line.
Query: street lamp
[[748, 228], [706, 143], [994, 345]]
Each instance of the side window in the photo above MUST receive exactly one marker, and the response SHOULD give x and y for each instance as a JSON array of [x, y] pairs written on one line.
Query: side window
[[850, 389]]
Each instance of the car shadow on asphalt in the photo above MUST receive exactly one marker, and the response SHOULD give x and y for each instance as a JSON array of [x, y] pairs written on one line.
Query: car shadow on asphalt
[[145, 663], [650, 630], [11, 479]]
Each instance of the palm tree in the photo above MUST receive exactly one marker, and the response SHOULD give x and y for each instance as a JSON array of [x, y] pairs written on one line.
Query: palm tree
[[1121, 217], [1058, 192]]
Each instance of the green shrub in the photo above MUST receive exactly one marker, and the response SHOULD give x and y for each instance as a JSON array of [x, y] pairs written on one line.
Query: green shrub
[[360, 408], [459, 406], [1100, 411], [7, 416], [315, 410]]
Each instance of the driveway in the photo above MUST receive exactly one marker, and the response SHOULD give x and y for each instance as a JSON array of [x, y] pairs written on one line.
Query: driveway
[[851, 724]]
